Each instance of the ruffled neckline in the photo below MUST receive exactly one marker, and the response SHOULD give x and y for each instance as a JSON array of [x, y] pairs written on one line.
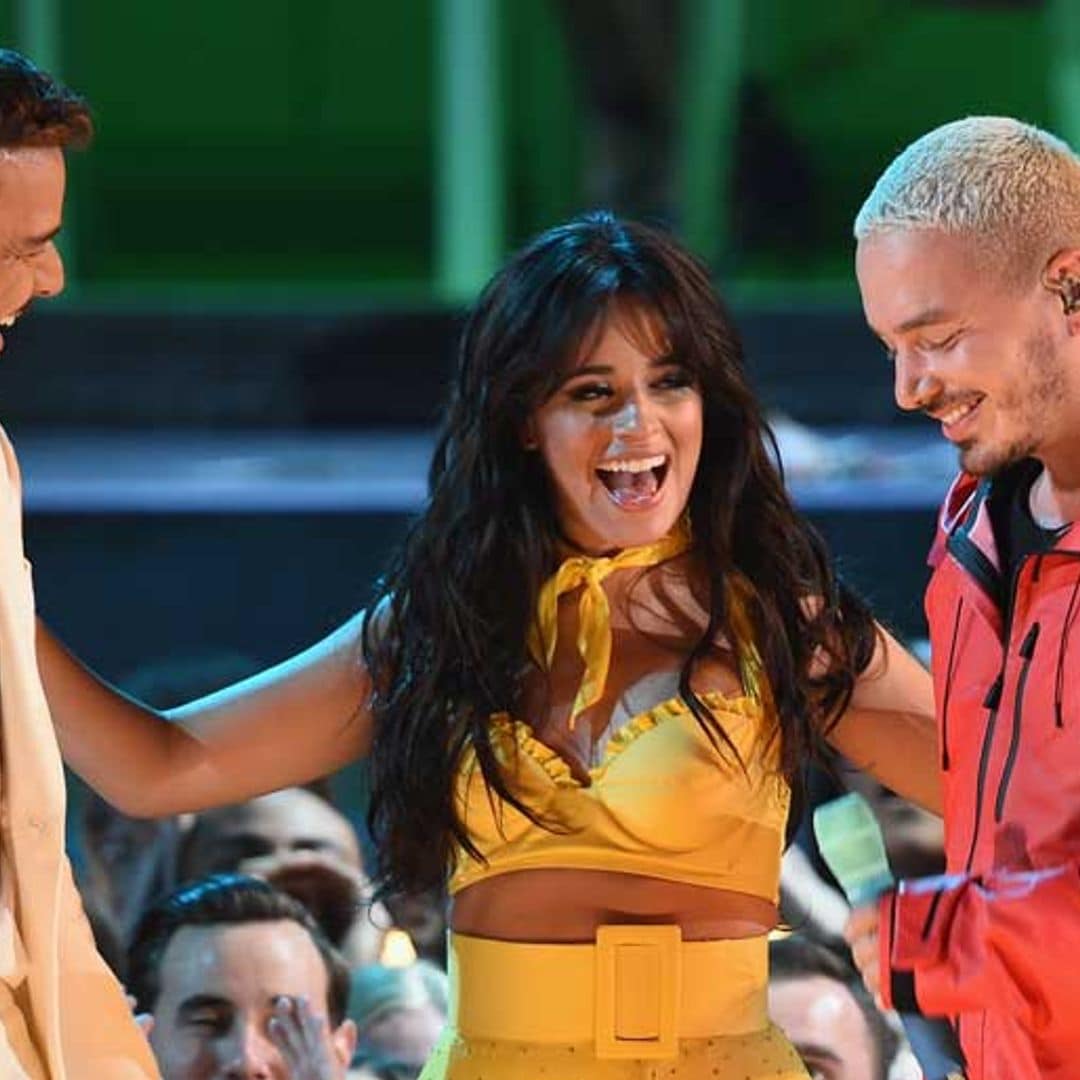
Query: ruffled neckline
[[558, 768]]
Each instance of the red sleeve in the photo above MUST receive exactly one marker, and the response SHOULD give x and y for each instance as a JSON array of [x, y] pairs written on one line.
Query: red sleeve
[[1009, 941]]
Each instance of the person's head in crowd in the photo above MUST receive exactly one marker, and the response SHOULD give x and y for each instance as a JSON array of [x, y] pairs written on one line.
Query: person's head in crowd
[[293, 821], [968, 261], [124, 863], [297, 839], [399, 1014], [241, 983], [818, 1000], [39, 119]]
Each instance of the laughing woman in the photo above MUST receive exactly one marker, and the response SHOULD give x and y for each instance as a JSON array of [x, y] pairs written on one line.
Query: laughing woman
[[593, 673]]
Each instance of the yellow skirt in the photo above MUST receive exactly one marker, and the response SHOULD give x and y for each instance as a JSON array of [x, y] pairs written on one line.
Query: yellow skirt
[[639, 1004]]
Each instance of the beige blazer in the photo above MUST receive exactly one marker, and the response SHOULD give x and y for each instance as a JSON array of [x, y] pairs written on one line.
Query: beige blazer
[[78, 1015]]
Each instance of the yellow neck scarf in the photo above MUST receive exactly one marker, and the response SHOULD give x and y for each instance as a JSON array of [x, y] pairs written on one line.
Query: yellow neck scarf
[[594, 616]]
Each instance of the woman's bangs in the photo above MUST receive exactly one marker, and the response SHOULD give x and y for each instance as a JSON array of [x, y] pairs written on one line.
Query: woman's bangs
[[658, 325], [567, 331]]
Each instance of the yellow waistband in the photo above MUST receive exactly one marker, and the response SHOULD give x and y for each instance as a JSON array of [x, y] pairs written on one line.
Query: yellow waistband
[[634, 993]]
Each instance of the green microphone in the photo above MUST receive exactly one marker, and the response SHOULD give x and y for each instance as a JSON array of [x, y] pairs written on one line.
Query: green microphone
[[850, 841]]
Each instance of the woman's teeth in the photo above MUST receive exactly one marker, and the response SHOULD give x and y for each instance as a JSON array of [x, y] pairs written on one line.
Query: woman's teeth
[[633, 482], [633, 465]]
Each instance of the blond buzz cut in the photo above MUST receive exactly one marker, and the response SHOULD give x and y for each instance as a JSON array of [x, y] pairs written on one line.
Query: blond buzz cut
[[1010, 186]]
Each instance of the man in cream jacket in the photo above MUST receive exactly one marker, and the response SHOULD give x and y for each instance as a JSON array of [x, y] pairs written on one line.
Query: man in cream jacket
[[63, 1015]]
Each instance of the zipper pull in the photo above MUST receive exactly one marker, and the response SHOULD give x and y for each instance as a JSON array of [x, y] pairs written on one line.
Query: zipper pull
[[1027, 646], [993, 695]]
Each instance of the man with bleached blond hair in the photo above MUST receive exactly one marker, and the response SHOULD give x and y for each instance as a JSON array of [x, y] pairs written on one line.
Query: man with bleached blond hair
[[968, 260]]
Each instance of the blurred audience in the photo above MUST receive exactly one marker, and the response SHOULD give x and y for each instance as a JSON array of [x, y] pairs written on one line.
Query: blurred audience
[[300, 842], [293, 821], [399, 1013], [125, 863], [295, 838], [820, 1003], [809, 903], [423, 918], [241, 983]]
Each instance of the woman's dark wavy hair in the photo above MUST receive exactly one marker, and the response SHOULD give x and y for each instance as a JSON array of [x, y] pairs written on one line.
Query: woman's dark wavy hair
[[447, 647]]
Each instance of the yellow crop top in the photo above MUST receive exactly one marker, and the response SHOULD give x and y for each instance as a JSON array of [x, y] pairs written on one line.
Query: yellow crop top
[[662, 803]]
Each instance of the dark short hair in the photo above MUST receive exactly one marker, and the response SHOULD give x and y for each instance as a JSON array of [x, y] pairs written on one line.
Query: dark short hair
[[798, 957], [225, 900], [38, 110]]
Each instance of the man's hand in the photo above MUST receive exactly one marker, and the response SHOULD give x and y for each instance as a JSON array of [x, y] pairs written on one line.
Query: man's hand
[[861, 933], [302, 1040], [144, 1021]]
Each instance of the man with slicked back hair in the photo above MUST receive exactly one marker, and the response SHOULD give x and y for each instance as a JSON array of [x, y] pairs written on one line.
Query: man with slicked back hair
[[62, 1014], [242, 984]]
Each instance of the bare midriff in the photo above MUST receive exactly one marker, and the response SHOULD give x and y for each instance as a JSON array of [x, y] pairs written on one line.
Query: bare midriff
[[567, 906]]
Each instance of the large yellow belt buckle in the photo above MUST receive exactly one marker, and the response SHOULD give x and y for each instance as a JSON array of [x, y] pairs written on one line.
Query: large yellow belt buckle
[[638, 989]]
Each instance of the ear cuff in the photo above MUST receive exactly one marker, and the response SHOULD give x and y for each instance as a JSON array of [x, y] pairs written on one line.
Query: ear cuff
[[1068, 288]]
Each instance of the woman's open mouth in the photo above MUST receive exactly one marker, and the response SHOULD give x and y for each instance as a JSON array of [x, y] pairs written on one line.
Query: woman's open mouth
[[634, 483]]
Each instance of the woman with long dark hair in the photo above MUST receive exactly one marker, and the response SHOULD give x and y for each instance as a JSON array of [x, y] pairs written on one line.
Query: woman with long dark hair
[[588, 685]]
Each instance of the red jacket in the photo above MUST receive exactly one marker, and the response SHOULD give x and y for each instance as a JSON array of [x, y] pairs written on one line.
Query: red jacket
[[995, 943]]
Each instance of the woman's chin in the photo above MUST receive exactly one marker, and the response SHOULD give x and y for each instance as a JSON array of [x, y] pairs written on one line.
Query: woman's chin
[[620, 527]]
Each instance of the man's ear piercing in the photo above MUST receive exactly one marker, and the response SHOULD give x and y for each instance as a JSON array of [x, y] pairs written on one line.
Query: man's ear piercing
[[1068, 288]]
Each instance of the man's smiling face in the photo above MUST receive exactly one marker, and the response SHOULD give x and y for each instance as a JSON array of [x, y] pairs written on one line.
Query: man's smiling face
[[982, 356], [31, 207]]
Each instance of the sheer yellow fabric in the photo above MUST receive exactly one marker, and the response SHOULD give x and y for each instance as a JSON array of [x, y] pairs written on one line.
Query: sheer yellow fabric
[[762, 1055]]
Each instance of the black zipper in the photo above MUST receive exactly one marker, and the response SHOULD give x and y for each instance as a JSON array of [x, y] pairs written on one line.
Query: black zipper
[[993, 696], [991, 702], [1059, 679], [948, 687], [1027, 651]]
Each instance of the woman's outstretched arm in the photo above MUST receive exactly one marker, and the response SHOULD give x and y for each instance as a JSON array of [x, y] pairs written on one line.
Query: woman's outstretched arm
[[301, 719]]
